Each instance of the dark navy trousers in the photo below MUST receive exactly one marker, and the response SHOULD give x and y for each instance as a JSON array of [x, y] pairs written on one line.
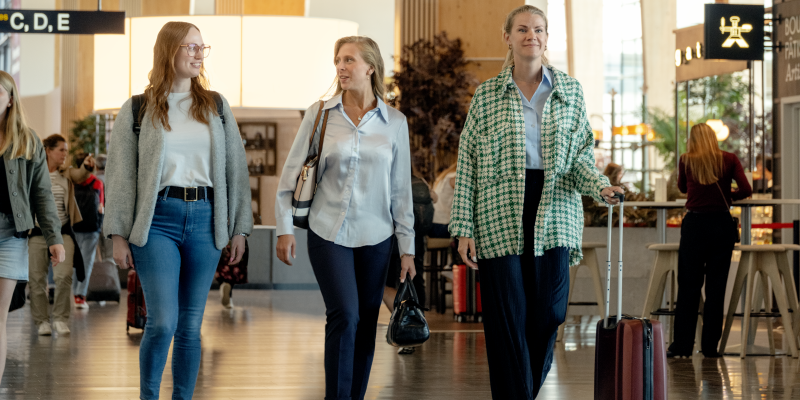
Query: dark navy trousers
[[524, 300], [351, 281]]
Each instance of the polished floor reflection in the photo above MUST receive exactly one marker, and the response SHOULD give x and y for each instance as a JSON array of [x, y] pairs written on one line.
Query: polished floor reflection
[[270, 347]]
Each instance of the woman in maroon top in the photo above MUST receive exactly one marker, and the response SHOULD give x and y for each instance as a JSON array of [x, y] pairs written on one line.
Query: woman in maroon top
[[705, 173]]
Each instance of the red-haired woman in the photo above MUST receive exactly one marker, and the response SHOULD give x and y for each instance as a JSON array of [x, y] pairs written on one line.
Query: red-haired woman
[[178, 192]]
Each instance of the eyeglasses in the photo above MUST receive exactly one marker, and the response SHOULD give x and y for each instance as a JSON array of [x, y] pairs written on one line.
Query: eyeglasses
[[191, 49]]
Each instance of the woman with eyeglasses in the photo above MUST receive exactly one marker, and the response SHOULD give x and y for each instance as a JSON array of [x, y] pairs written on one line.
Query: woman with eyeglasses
[[179, 191]]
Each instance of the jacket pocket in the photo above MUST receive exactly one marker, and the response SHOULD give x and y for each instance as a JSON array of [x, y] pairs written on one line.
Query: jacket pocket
[[487, 154]]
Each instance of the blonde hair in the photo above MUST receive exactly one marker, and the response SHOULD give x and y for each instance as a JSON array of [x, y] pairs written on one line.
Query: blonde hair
[[163, 75], [372, 55], [450, 169], [509, 24], [704, 157], [18, 136]]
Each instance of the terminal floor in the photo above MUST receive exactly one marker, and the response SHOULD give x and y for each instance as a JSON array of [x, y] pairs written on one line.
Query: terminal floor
[[271, 347]]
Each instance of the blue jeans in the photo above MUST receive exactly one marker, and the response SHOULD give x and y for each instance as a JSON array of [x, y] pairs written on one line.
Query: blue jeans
[[87, 242], [351, 281], [176, 268], [524, 300]]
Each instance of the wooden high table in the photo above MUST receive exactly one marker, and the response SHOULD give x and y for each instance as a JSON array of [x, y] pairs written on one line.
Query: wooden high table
[[661, 210]]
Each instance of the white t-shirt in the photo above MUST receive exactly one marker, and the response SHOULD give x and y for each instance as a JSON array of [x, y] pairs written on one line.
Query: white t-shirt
[[187, 147], [441, 209]]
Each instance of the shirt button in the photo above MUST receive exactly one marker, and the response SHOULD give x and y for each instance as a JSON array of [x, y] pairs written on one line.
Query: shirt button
[[14, 194], [12, 171], [342, 212], [520, 175], [19, 215]]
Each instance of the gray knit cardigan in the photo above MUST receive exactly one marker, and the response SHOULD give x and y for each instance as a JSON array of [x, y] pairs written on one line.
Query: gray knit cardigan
[[133, 176]]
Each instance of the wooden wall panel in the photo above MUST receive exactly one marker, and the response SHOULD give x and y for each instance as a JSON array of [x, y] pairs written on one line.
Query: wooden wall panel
[[478, 23], [162, 7], [275, 7], [229, 7], [261, 7]]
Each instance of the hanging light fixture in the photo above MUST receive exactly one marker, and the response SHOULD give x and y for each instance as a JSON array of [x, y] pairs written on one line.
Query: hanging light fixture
[[720, 129]]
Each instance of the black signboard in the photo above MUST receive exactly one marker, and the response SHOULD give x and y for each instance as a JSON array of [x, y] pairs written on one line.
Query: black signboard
[[734, 32], [49, 21]]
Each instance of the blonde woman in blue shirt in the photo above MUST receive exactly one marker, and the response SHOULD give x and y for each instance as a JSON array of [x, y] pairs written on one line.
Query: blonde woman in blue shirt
[[363, 197]]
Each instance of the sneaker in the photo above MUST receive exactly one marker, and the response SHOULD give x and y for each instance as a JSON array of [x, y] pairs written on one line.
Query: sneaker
[[45, 329], [80, 303], [225, 294], [61, 327]]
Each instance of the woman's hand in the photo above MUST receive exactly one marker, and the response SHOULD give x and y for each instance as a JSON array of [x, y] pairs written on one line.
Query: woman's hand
[[122, 252], [608, 192], [465, 245], [286, 247], [237, 249], [407, 267], [89, 162], [57, 254]]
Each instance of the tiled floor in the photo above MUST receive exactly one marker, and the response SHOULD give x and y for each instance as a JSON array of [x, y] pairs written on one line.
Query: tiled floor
[[270, 347]]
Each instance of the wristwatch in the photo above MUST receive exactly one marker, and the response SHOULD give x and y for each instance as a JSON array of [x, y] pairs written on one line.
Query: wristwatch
[[241, 234], [407, 255]]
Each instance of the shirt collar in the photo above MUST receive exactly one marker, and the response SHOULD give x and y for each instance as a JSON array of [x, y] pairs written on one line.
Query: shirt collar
[[336, 101], [506, 80]]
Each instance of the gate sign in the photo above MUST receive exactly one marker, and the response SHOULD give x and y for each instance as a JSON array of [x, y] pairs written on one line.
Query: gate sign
[[734, 32], [50, 21]]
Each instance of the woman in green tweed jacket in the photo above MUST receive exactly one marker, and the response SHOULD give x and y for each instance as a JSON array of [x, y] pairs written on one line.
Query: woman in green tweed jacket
[[525, 158]]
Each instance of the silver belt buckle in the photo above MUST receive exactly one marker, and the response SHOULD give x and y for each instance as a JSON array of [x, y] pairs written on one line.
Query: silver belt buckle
[[186, 194]]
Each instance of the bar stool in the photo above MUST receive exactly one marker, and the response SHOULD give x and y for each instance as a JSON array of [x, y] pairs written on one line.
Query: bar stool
[[665, 267], [760, 260], [589, 261], [786, 271], [436, 284]]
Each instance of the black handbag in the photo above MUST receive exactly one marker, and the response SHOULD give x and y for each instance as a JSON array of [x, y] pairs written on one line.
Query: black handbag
[[18, 298], [407, 326]]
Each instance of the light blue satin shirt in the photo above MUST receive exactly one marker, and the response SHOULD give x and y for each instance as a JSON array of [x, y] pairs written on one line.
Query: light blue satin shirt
[[364, 178], [532, 110]]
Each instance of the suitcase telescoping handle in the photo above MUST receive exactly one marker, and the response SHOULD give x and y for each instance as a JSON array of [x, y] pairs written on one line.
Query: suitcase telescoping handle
[[621, 198]]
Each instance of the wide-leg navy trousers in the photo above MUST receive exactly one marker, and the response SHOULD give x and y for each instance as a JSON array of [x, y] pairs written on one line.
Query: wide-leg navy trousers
[[524, 300]]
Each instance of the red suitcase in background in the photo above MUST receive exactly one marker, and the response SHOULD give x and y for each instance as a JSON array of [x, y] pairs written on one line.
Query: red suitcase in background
[[466, 294], [630, 359], [137, 312]]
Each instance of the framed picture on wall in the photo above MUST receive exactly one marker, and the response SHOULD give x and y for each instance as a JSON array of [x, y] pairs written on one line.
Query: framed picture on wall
[[259, 139]]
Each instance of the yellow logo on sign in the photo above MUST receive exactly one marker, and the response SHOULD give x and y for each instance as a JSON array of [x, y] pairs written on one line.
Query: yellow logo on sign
[[735, 32]]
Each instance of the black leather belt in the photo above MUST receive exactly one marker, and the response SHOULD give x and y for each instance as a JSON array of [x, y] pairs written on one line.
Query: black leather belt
[[189, 193]]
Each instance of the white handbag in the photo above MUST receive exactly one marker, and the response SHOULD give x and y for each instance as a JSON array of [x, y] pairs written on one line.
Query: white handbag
[[307, 181]]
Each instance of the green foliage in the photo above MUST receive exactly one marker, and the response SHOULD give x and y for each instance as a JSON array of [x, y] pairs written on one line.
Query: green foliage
[[83, 134], [434, 94], [721, 97]]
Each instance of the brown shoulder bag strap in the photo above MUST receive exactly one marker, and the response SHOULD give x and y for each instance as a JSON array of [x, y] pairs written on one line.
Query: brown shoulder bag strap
[[316, 122], [322, 133]]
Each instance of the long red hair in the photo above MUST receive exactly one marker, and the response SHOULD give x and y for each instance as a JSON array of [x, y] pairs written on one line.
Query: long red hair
[[162, 77]]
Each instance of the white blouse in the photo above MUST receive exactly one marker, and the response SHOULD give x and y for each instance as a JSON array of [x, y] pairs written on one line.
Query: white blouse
[[187, 147]]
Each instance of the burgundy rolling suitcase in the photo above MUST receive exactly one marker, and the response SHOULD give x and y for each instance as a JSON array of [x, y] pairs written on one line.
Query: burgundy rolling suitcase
[[137, 312], [466, 294], [630, 360]]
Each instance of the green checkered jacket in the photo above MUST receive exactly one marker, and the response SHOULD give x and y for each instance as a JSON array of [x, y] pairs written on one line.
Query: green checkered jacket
[[490, 180]]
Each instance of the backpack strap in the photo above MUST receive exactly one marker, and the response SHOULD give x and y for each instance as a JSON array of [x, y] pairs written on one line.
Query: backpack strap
[[136, 106], [220, 109]]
